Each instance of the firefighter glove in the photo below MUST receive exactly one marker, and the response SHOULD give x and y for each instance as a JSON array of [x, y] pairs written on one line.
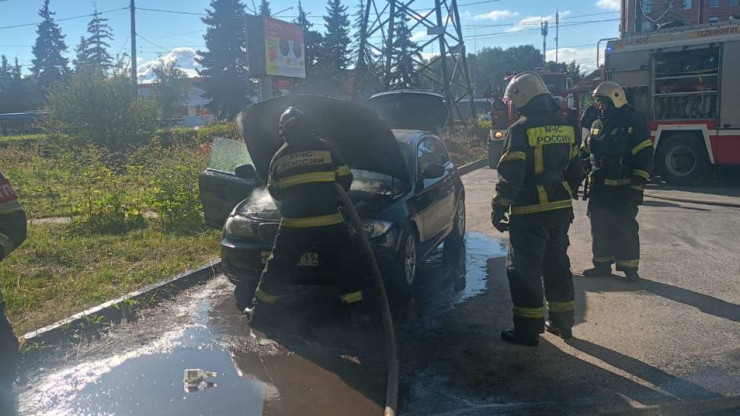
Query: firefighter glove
[[499, 219]]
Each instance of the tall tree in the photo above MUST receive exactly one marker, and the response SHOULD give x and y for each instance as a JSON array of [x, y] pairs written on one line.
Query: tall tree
[[264, 9], [335, 53], [224, 62], [49, 66], [81, 60], [169, 91], [98, 42], [311, 40], [404, 52]]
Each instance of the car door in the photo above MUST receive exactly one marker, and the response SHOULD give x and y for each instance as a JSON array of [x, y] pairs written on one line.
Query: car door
[[436, 195], [220, 189]]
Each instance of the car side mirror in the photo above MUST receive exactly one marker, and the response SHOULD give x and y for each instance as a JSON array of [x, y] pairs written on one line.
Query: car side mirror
[[433, 171], [245, 172]]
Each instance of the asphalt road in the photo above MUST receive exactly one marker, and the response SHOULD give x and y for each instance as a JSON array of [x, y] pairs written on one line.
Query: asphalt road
[[667, 345]]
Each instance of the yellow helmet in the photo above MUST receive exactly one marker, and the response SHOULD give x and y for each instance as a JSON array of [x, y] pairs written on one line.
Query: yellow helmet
[[612, 91], [525, 86]]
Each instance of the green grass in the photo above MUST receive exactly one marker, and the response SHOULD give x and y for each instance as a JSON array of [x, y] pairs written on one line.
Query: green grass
[[59, 271]]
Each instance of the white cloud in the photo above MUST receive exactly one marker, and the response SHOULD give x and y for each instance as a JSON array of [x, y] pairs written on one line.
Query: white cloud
[[495, 15], [609, 4], [533, 22], [418, 36], [585, 57], [184, 58]]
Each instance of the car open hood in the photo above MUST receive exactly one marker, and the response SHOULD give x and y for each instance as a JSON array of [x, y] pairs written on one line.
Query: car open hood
[[365, 141], [411, 109]]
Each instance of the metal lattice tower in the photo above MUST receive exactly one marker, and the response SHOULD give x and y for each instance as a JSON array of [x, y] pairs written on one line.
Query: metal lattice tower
[[447, 71]]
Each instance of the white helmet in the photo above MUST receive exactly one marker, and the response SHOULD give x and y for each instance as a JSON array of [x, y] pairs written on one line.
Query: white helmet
[[525, 86], [612, 91]]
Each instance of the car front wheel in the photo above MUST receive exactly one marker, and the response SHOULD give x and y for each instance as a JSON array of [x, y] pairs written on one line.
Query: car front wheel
[[404, 276]]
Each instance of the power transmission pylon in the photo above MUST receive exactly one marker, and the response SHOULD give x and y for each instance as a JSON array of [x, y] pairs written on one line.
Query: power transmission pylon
[[447, 70]]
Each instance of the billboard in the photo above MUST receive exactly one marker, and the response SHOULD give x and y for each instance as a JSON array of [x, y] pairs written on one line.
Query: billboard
[[275, 48]]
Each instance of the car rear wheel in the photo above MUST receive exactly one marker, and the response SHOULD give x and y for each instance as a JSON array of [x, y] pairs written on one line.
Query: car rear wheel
[[404, 276]]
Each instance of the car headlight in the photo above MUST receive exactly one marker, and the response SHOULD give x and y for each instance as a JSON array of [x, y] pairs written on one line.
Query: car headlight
[[376, 228], [238, 226], [498, 135]]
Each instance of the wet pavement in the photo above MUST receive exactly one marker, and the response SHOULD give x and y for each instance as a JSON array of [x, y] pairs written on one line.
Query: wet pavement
[[311, 363], [670, 340]]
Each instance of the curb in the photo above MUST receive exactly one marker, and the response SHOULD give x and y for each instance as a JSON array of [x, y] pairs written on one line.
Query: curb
[[693, 201], [465, 169], [119, 309]]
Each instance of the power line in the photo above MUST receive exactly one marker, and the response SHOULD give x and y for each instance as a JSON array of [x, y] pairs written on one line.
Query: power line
[[152, 43], [171, 12], [65, 19]]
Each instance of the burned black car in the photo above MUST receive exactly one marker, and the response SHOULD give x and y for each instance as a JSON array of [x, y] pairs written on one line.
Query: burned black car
[[406, 190]]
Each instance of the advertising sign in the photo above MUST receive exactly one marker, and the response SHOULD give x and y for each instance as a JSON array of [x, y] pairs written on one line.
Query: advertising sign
[[284, 49], [275, 48]]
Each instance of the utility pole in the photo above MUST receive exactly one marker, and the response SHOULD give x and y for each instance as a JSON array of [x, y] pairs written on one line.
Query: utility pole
[[543, 30], [133, 45], [557, 32]]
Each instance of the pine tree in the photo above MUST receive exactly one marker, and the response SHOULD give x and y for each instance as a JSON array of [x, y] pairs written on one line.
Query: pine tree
[[224, 64], [335, 52], [98, 43], [12, 89], [311, 40], [403, 52], [49, 66], [265, 8], [81, 60]]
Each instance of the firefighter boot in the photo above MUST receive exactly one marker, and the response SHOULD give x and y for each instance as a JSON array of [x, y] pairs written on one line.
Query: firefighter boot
[[564, 333], [512, 336], [601, 270], [631, 276]]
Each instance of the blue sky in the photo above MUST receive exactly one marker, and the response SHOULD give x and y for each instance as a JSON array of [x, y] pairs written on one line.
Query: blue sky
[[501, 23]]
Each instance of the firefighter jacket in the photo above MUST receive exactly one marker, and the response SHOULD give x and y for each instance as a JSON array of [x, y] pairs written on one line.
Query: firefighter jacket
[[539, 168], [620, 152], [12, 220], [302, 177]]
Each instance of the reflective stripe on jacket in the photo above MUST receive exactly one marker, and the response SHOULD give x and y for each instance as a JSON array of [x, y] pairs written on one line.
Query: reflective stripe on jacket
[[302, 177], [539, 167]]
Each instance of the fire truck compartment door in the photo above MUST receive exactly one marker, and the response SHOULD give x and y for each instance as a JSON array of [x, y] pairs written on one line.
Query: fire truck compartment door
[[629, 68], [729, 116]]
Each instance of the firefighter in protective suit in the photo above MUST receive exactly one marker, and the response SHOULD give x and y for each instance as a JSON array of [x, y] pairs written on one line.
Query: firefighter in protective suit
[[621, 158], [301, 176], [536, 175], [12, 234]]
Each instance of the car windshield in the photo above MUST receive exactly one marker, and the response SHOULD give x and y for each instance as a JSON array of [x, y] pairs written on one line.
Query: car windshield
[[377, 183], [227, 155]]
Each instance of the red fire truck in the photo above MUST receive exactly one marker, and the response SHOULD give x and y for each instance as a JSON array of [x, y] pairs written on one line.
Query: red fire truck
[[682, 80], [502, 116]]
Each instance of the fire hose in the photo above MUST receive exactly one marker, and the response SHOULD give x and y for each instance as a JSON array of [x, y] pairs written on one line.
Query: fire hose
[[391, 398]]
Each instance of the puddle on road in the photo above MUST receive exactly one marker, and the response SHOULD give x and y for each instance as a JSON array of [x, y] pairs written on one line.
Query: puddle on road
[[148, 381]]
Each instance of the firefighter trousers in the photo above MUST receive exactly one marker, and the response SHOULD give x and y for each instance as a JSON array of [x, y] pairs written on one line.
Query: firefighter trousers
[[614, 233], [335, 248], [8, 362], [538, 254]]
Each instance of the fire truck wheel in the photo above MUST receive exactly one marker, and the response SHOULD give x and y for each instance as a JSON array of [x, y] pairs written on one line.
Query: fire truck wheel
[[683, 160]]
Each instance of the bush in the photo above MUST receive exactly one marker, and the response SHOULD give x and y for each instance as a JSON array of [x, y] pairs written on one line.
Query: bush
[[106, 206], [93, 109], [25, 141], [174, 197], [186, 136]]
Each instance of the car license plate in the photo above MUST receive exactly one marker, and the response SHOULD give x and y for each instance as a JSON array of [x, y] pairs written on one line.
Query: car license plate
[[307, 259]]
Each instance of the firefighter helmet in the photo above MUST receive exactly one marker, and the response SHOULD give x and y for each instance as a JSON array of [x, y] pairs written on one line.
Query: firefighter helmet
[[291, 121], [612, 91], [525, 86]]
